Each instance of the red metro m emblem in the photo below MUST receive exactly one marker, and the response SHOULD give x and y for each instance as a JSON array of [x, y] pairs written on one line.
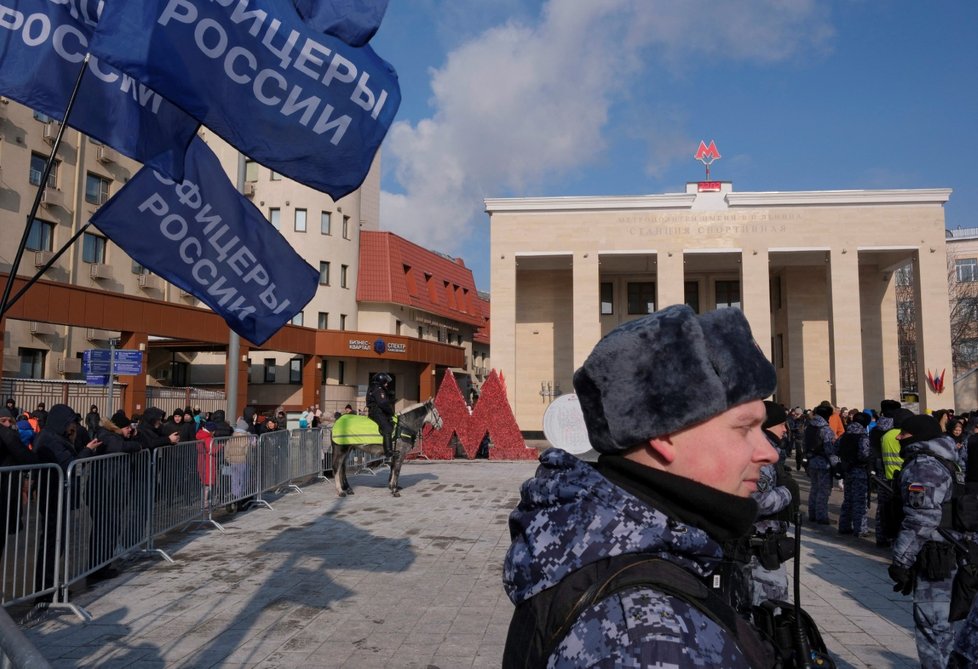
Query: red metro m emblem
[[707, 154]]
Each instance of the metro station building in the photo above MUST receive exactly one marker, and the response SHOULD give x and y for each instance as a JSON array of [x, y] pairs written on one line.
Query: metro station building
[[813, 272]]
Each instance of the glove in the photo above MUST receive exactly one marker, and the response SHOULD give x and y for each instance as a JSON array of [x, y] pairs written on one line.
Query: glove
[[902, 579]]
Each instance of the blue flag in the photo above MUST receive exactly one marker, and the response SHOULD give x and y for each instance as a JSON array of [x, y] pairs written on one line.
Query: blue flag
[[205, 237], [353, 21], [306, 105], [42, 46]]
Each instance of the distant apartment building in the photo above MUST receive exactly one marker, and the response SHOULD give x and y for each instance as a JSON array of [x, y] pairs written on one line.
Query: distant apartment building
[[339, 341], [962, 263]]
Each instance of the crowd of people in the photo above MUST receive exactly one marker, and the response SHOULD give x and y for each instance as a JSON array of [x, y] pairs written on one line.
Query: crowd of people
[[62, 436]]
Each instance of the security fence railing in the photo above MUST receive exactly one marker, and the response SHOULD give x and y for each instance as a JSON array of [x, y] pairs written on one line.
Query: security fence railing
[[61, 526]]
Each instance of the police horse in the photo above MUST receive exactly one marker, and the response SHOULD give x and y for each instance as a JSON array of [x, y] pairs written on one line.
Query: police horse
[[351, 431]]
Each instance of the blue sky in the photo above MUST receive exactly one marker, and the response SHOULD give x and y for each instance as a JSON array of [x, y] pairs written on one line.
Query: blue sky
[[611, 97]]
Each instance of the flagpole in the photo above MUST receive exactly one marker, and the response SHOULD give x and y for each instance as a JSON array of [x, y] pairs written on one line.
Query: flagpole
[[4, 305], [234, 341]]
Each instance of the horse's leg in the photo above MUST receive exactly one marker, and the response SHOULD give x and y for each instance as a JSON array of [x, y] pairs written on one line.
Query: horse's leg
[[396, 472], [339, 469]]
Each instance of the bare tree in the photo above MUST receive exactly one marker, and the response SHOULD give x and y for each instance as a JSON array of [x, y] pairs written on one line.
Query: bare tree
[[962, 283], [906, 328]]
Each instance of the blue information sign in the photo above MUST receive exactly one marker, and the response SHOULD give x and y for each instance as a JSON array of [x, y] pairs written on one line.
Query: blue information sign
[[97, 379], [127, 362]]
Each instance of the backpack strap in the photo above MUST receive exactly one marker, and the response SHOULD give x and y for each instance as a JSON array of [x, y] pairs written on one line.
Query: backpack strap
[[559, 607]]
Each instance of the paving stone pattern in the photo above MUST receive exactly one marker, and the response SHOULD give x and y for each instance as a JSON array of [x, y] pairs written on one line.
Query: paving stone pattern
[[374, 581]]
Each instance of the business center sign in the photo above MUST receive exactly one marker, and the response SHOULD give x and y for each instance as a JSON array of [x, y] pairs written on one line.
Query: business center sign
[[379, 346]]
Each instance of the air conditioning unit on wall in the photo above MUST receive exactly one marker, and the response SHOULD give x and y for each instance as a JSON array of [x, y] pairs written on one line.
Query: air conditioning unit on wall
[[100, 271]]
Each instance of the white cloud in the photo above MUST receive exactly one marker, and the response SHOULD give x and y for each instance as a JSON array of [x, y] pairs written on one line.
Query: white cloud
[[524, 103]]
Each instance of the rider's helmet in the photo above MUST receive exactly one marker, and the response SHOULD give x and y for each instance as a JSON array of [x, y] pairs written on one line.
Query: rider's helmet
[[382, 379]]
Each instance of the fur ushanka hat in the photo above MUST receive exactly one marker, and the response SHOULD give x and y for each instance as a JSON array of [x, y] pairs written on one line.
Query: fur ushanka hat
[[668, 371]]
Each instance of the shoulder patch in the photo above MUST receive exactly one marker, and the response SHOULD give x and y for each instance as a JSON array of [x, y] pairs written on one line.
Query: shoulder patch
[[916, 487]]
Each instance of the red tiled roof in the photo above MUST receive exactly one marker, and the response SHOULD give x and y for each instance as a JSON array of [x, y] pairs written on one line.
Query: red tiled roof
[[482, 334], [397, 271]]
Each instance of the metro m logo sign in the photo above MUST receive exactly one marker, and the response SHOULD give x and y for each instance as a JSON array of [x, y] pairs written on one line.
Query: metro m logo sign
[[492, 415]]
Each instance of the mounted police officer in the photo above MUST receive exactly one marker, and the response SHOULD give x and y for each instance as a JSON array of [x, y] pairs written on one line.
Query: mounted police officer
[[672, 402], [380, 409], [923, 560]]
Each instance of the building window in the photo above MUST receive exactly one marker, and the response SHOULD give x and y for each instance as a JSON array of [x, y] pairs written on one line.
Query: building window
[[323, 320], [31, 363], [251, 170], [325, 223], [967, 270], [37, 170], [276, 176], [691, 295], [93, 248], [295, 370], [300, 220], [137, 268], [43, 118], [340, 372], [275, 217], [324, 273], [641, 297], [397, 327], [412, 287], [41, 236], [342, 321], [728, 294], [96, 189], [343, 276], [297, 319], [346, 227], [269, 376], [607, 298], [179, 374]]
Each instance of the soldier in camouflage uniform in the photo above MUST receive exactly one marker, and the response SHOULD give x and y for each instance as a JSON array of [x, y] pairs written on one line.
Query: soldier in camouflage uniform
[[777, 499], [820, 448], [855, 454], [923, 561], [672, 403]]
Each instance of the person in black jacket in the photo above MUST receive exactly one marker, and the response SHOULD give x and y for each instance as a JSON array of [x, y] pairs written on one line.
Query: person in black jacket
[[380, 408], [93, 421], [13, 452], [55, 444], [40, 414], [150, 433], [108, 496]]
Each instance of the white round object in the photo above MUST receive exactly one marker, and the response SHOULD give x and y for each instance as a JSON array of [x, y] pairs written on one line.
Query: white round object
[[563, 425]]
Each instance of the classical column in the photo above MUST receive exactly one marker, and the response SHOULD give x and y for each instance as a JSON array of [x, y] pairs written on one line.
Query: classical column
[[502, 309], [755, 295], [845, 329], [933, 333], [670, 277], [587, 304]]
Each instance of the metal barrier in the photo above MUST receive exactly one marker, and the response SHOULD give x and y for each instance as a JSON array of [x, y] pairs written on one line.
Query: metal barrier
[[232, 474], [16, 650], [274, 466], [178, 496], [32, 518], [306, 454], [61, 527]]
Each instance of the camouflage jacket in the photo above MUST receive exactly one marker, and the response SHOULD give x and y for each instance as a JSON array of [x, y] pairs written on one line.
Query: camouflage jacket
[[771, 498], [570, 516], [924, 484], [827, 436]]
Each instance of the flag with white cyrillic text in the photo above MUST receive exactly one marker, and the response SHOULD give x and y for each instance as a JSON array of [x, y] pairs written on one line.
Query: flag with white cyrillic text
[[203, 236], [304, 104], [353, 21], [42, 50]]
